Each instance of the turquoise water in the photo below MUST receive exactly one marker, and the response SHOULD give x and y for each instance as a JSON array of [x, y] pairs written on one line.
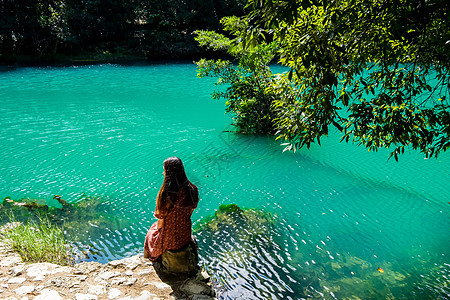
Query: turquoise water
[[341, 212]]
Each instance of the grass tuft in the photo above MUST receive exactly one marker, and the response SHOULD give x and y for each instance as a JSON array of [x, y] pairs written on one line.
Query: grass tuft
[[39, 241]]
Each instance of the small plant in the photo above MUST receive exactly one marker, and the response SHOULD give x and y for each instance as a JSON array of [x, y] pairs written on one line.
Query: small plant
[[39, 241]]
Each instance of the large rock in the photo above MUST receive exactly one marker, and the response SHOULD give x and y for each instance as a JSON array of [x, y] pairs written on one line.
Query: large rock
[[133, 278], [192, 287]]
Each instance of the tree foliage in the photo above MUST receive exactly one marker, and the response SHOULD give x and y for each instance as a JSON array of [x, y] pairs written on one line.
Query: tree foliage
[[375, 70], [150, 28], [246, 95]]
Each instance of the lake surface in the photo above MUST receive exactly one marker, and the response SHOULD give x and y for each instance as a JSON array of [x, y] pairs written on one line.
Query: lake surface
[[340, 212]]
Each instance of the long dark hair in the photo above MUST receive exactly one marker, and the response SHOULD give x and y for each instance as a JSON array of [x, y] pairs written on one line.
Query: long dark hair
[[175, 181]]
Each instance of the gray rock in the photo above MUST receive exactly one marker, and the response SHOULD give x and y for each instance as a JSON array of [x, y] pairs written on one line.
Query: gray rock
[[118, 280], [47, 294], [68, 281], [81, 296], [57, 282], [117, 264], [196, 287], [10, 261], [108, 275], [130, 281], [86, 267], [41, 269], [64, 269], [145, 295], [148, 296], [17, 270], [114, 293], [202, 297], [17, 280], [126, 263], [39, 278], [26, 289], [133, 266], [96, 289], [146, 272], [39, 288], [161, 285]]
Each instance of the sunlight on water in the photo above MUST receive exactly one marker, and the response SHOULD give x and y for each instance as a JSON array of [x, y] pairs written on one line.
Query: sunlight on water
[[341, 215]]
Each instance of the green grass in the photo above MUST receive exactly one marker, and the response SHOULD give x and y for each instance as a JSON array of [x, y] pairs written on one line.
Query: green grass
[[39, 241]]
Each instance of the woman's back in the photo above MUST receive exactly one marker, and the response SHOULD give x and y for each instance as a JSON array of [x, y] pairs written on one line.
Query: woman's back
[[177, 224]]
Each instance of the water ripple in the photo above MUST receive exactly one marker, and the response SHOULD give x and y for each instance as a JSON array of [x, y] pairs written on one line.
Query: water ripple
[[103, 131]]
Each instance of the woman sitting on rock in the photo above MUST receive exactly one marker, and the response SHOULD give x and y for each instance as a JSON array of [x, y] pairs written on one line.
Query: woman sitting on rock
[[176, 200]]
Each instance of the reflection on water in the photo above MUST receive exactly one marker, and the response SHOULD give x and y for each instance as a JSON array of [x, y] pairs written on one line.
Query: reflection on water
[[242, 249], [247, 251], [338, 212]]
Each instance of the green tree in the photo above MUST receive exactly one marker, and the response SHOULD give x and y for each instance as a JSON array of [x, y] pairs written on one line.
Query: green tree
[[100, 25], [20, 29], [246, 95], [40, 29], [377, 71], [52, 18], [165, 27]]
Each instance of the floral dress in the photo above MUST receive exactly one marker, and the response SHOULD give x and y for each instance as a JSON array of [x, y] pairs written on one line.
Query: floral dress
[[174, 234]]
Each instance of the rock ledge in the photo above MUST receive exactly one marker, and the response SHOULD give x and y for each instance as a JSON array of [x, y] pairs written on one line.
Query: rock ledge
[[126, 279]]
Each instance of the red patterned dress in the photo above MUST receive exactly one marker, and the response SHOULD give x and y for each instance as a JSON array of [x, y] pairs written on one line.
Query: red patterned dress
[[176, 231]]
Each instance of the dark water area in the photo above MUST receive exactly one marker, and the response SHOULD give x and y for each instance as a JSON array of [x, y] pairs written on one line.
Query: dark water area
[[326, 220]]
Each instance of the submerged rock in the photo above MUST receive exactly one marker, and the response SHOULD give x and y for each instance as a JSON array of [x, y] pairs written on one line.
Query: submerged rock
[[81, 219], [232, 216], [232, 240]]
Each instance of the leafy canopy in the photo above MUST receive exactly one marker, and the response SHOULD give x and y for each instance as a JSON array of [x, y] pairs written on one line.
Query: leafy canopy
[[377, 71], [247, 96]]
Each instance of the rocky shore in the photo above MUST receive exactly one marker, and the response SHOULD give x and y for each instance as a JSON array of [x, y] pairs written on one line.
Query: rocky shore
[[126, 279]]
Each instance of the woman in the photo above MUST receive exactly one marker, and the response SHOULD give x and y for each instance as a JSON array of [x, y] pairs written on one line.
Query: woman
[[176, 200]]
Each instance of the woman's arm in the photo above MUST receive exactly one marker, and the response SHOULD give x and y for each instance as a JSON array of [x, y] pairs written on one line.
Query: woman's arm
[[160, 223], [160, 218]]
